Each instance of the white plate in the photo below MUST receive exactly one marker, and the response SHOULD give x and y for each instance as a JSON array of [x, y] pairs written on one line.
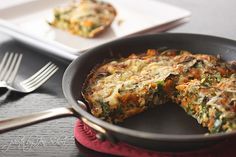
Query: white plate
[[28, 23]]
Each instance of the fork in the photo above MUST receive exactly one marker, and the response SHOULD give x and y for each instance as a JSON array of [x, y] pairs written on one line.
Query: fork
[[9, 67], [8, 70]]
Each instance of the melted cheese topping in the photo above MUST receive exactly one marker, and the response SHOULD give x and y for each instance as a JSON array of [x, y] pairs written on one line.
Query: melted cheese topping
[[128, 83], [136, 75]]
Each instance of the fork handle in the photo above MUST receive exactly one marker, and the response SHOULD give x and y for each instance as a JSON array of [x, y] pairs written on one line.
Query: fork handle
[[18, 122]]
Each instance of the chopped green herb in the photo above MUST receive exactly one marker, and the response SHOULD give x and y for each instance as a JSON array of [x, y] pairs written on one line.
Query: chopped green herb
[[217, 114], [105, 108], [218, 77], [119, 110], [160, 85]]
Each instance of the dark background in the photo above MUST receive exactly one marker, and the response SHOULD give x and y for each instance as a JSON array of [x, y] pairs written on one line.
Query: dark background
[[55, 138]]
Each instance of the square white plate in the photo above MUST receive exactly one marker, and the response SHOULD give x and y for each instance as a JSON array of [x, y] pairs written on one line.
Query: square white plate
[[28, 22]]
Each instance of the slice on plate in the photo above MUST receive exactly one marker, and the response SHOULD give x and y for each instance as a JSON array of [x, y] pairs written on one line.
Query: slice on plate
[[86, 18]]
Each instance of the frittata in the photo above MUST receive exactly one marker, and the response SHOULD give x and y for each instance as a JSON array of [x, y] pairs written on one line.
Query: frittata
[[203, 85], [85, 18]]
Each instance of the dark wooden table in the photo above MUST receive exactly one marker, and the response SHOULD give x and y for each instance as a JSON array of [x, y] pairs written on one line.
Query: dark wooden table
[[55, 138]]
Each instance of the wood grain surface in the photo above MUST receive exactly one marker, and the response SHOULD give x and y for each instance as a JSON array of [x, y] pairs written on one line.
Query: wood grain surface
[[55, 138]]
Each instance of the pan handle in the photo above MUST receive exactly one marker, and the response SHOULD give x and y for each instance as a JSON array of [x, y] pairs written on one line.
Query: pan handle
[[18, 122], [22, 121]]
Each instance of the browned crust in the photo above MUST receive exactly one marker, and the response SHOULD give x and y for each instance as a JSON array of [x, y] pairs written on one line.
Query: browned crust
[[101, 29], [91, 78]]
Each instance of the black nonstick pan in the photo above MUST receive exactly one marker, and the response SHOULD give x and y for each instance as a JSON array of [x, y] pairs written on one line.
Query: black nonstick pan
[[166, 128]]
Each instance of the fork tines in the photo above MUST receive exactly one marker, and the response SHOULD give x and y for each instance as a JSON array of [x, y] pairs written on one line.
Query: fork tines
[[9, 67], [40, 77]]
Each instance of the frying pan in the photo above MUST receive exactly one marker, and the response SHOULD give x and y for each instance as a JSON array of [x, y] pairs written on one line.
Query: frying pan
[[166, 127]]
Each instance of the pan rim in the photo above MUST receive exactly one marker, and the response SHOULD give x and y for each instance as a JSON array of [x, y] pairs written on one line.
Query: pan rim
[[67, 78]]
